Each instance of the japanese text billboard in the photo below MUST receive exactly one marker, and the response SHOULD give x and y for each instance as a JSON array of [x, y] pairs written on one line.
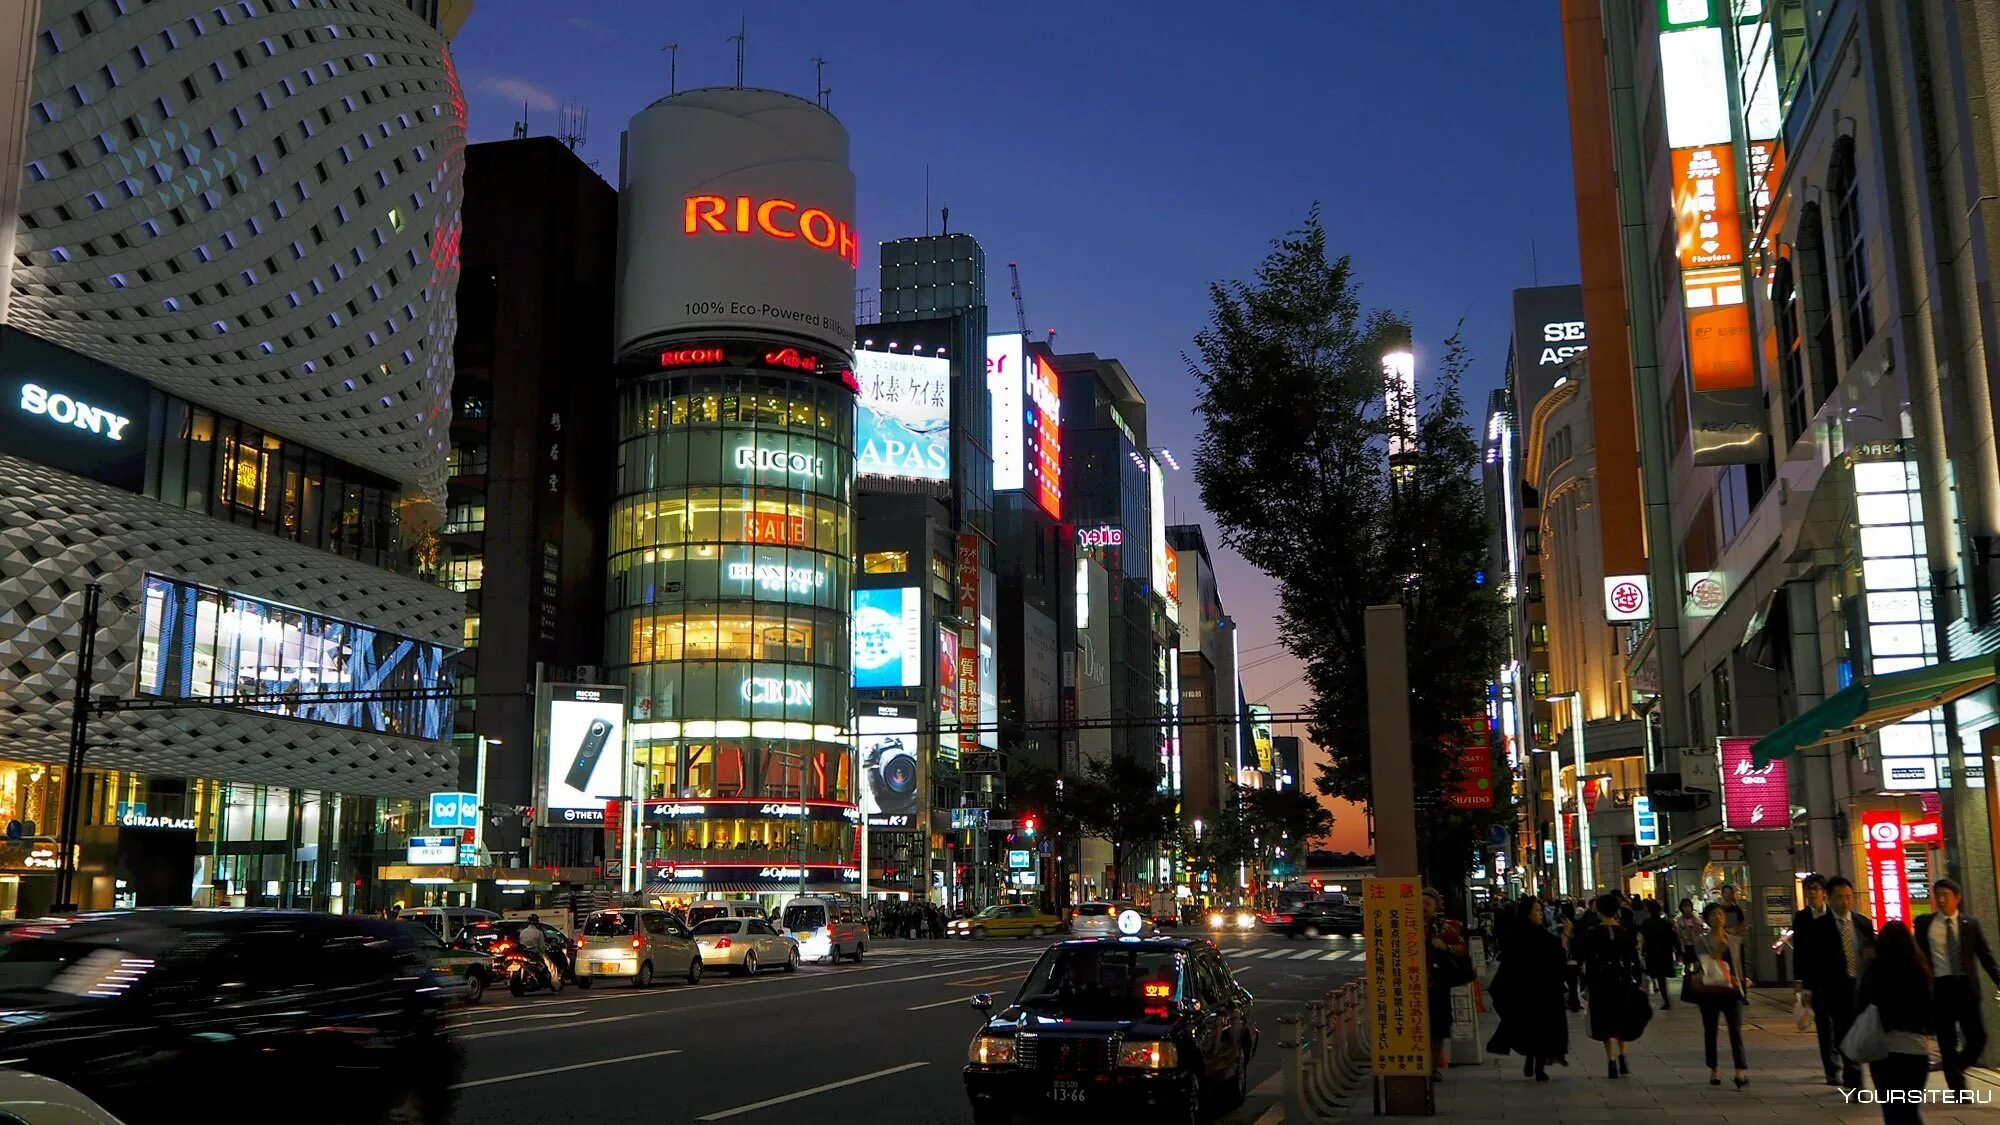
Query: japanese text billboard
[[1042, 423], [902, 429], [1753, 797]]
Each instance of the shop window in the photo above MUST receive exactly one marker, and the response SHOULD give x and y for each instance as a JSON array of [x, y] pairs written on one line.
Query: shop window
[[463, 574], [885, 562]]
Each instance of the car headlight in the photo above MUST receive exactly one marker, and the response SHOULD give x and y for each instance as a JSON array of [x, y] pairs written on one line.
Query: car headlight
[[990, 1050], [1215, 921], [1148, 1056], [1245, 921]]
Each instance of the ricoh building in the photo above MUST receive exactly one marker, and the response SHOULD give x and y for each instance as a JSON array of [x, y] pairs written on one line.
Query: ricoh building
[[224, 401], [731, 544]]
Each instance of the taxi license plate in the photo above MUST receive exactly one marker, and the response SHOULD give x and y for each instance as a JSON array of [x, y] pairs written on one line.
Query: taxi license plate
[[1073, 1092], [602, 968]]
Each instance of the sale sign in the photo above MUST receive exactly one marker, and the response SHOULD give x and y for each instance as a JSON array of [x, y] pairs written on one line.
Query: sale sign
[[1882, 841], [1752, 797]]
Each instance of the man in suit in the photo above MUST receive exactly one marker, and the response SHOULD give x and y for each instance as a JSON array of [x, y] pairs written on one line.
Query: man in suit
[[1841, 943], [1804, 964], [1957, 948]]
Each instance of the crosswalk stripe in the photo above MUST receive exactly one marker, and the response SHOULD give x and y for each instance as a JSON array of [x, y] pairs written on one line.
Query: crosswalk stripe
[[1305, 956], [1338, 955], [1276, 953]]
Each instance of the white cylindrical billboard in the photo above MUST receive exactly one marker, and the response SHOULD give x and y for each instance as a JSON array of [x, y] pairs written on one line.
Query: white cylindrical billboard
[[737, 213]]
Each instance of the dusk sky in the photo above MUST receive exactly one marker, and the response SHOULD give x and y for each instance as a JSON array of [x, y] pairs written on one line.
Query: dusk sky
[[1129, 154]]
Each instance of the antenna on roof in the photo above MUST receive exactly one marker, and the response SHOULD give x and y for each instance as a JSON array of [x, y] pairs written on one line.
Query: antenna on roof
[[673, 51], [521, 126], [742, 32], [820, 89], [575, 128]]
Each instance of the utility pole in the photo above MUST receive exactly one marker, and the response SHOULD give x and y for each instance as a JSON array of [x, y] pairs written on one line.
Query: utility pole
[[79, 745]]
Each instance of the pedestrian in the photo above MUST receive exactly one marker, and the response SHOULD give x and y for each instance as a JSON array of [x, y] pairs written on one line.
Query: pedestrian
[[1710, 985], [1527, 994], [1803, 957], [1898, 984], [1568, 932], [1956, 948], [1840, 943], [1611, 976], [1660, 948], [1688, 930], [1450, 965], [1739, 929]]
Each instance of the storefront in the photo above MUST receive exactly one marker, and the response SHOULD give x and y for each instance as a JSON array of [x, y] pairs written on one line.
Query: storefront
[[736, 847]]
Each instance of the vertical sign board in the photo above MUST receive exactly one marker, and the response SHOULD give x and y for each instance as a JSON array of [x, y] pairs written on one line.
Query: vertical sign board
[[1398, 1016], [1042, 424], [968, 643], [947, 688], [1752, 797], [1474, 788], [1882, 838], [614, 830], [1645, 823]]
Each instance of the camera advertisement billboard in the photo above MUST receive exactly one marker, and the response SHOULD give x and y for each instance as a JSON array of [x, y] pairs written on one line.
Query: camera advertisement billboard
[[891, 760], [903, 424], [584, 753]]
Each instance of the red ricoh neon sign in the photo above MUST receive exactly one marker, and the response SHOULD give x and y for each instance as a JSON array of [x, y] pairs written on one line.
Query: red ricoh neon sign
[[692, 357], [773, 218]]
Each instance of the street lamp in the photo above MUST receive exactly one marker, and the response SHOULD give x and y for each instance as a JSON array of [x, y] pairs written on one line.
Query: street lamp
[[1586, 866]]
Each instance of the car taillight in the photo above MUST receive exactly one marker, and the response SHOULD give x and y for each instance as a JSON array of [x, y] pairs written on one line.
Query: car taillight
[[637, 942], [579, 943], [502, 946], [722, 943]]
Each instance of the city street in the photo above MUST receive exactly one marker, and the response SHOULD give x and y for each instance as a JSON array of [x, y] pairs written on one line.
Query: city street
[[881, 1041]]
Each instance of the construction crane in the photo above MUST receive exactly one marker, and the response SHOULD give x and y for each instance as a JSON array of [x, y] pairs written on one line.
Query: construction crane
[[1020, 309]]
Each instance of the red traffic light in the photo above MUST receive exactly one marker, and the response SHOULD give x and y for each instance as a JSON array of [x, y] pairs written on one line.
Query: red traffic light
[[1028, 825]]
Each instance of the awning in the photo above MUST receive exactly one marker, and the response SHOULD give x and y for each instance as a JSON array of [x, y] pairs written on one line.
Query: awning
[[1673, 853], [1877, 702]]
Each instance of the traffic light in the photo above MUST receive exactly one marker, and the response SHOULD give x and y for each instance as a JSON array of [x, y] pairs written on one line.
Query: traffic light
[[1029, 825], [1315, 884]]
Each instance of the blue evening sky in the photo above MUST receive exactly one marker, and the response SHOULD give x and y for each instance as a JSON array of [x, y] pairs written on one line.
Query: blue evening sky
[[1127, 154]]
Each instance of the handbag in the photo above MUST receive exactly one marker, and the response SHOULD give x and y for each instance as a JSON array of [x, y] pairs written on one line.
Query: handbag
[[1637, 1013], [1863, 1041]]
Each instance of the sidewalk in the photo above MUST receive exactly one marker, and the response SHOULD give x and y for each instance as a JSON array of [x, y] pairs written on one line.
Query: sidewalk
[[1669, 1080]]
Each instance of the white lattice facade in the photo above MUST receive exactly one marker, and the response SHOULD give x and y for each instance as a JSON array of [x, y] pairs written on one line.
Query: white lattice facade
[[254, 206], [59, 533]]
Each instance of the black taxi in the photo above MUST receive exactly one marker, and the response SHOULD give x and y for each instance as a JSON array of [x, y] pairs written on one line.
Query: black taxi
[[1151, 1023]]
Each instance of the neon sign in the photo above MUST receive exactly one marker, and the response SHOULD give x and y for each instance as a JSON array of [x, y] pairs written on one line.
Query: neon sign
[[775, 527], [692, 357], [792, 359], [781, 219], [1101, 536], [1882, 833], [781, 461], [771, 689]]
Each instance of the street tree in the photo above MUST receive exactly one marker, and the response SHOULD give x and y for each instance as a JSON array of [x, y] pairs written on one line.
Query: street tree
[[1118, 800], [1294, 465]]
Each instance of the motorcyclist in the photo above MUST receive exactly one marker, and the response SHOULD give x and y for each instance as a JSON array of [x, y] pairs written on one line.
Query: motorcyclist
[[534, 941]]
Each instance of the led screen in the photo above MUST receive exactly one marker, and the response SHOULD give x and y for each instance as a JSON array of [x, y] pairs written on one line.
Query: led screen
[[1004, 383], [586, 752], [206, 645], [903, 427], [1042, 423], [888, 638]]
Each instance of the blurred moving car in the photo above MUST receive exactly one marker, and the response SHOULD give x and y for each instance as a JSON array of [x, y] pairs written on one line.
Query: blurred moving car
[[34, 1100], [482, 936], [1097, 919], [1015, 920], [1311, 919], [446, 921], [635, 945], [745, 945], [472, 969], [1107, 1027], [1230, 918], [335, 1018]]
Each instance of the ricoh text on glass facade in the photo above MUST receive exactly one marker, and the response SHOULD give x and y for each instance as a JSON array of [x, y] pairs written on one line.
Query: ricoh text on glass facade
[[203, 645]]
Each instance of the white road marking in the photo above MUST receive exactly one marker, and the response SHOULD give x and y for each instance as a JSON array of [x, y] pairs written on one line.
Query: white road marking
[[562, 1069], [940, 1004], [531, 1016], [1275, 954], [768, 1102], [1306, 956]]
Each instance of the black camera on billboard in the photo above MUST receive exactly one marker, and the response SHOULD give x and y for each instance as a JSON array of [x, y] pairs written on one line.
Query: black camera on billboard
[[891, 765]]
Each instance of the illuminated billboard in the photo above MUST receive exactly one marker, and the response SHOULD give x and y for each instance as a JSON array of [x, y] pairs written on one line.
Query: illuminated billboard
[[1006, 385], [206, 646], [1708, 225], [1042, 423], [903, 427], [888, 638], [736, 210], [1156, 518], [584, 754], [891, 766]]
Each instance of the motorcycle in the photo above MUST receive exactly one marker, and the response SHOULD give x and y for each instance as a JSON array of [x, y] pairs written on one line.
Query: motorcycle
[[523, 969]]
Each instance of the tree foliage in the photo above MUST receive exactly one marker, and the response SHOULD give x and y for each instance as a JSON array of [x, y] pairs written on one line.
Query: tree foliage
[[1119, 801], [1294, 465]]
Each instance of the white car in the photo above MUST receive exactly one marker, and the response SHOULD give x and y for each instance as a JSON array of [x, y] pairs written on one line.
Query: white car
[[1098, 919]]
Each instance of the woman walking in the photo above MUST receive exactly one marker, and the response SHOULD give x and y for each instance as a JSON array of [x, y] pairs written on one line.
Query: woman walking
[[1898, 983], [1528, 994], [1689, 930], [1611, 977], [1661, 948], [1711, 987]]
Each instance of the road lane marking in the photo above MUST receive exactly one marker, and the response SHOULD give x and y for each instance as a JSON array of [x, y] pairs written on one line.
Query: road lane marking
[[1339, 955], [1274, 954], [530, 1016], [768, 1102], [1306, 956], [561, 1069], [939, 1004]]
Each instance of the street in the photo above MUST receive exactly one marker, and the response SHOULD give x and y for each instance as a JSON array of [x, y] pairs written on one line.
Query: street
[[880, 1041]]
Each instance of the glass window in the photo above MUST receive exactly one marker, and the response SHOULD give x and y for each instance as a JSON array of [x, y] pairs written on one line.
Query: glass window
[[463, 574], [1851, 250], [885, 562]]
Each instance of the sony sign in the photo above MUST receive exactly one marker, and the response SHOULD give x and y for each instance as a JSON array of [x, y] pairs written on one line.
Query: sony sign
[[64, 410]]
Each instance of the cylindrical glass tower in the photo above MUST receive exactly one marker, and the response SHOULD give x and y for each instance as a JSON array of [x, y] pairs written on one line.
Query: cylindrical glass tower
[[731, 541]]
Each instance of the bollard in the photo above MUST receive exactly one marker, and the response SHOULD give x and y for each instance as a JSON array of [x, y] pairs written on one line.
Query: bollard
[[1312, 1051], [1289, 1042], [1340, 1043], [1357, 1039]]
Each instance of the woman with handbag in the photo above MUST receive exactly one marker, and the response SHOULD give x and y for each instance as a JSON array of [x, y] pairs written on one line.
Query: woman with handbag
[[1710, 985], [1527, 994], [1897, 984], [1612, 976]]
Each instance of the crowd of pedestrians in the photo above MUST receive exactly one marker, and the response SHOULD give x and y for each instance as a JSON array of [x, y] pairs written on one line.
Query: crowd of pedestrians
[[1880, 996]]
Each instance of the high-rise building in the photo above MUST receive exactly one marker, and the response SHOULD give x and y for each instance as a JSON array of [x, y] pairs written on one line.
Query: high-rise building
[[731, 555], [1209, 739], [531, 463], [227, 379]]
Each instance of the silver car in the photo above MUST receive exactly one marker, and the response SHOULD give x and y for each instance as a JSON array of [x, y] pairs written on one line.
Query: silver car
[[635, 945], [1098, 919], [745, 945]]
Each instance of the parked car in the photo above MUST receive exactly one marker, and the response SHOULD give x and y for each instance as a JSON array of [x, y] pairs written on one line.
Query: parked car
[[745, 945], [1111, 1027], [635, 945], [125, 1006], [724, 908], [470, 969], [826, 929], [1015, 920], [483, 936], [1311, 919]]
